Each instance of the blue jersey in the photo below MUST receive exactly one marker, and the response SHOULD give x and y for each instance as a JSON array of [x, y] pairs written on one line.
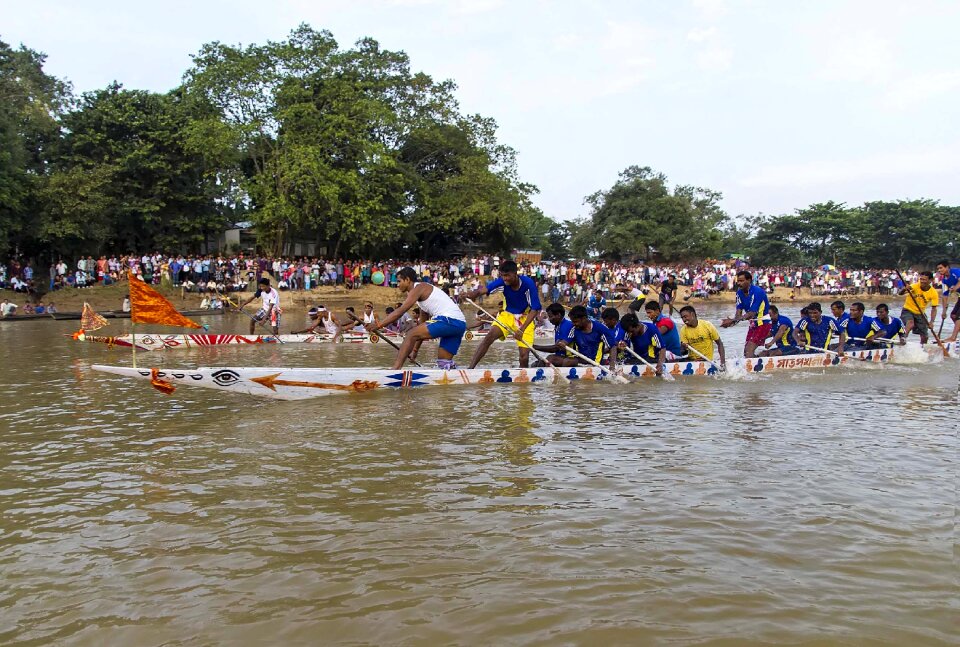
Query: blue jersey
[[596, 305], [818, 335], [520, 300], [786, 339], [590, 344], [754, 300], [891, 329], [563, 332], [951, 279], [671, 338], [867, 326], [840, 322], [618, 333], [647, 344]]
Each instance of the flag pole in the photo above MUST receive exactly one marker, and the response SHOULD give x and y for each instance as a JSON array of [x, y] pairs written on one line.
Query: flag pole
[[133, 337]]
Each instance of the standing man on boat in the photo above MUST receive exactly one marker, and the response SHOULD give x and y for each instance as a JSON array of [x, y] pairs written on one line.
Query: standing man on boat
[[269, 309], [950, 278], [446, 321], [919, 295], [521, 308], [753, 305]]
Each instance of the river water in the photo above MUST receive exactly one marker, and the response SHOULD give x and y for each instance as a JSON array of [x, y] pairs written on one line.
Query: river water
[[801, 507]]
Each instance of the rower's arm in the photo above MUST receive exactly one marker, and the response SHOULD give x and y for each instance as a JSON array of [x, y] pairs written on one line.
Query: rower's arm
[[412, 297], [797, 338], [661, 359], [547, 348], [473, 294], [843, 340], [722, 353]]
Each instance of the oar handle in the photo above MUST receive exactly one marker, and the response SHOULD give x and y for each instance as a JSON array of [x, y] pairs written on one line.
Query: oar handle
[[703, 357], [666, 376], [384, 338]]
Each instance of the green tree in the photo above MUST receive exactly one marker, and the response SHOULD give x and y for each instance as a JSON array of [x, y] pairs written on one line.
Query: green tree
[[30, 103], [640, 216], [124, 179]]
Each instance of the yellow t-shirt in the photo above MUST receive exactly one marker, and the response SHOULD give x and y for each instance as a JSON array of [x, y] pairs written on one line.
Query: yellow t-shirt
[[925, 299], [701, 338]]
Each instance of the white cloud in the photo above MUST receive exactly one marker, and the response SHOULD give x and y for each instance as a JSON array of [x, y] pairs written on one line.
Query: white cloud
[[567, 41], [933, 161], [628, 36], [477, 6], [701, 34], [710, 9], [921, 89], [860, 57], [715, 59]]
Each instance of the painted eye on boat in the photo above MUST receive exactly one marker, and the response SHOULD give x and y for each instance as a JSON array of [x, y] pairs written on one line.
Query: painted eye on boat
[[225, 377]]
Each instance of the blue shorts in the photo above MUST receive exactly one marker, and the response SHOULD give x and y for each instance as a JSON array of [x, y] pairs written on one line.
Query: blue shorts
[[448, 331], [788, 350]]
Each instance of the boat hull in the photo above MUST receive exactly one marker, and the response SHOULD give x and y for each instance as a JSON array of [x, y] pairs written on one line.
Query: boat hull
[[153, 341], [304, 383]]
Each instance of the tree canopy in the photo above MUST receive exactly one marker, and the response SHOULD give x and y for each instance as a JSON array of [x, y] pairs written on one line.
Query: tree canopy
[[352, 150]]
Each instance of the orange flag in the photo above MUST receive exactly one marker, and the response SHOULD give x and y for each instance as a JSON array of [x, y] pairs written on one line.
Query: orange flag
[[90, 320], [148, 306]]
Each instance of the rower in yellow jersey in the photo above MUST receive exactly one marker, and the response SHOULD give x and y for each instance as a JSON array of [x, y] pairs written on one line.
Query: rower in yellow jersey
[[700, 335], [922, 294]]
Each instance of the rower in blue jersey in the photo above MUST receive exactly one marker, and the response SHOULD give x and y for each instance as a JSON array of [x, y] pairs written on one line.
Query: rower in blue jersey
[[890, 328], [644, 339], [815, 330], [782, 342], [859, 327], [950, 279], [521, 308], [611, 319], [588, 334], [669, 335], [596, 304], [753, 306], [562, 330], [840, 315]]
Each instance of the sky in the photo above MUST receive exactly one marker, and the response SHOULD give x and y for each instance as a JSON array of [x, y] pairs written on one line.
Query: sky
[[776, 105]]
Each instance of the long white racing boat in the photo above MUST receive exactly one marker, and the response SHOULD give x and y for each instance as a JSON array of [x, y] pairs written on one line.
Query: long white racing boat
[[302, 383], [152, 341]]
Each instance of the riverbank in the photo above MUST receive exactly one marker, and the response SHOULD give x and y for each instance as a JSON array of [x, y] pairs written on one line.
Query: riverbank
[[338, 298]]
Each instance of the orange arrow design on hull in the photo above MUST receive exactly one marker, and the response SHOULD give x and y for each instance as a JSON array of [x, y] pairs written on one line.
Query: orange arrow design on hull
[[270, 381]]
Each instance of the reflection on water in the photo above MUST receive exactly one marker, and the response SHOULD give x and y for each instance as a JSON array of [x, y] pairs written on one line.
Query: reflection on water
[[799, 507]]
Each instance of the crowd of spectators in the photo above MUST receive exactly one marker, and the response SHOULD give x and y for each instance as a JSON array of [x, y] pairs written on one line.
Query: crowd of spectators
[[569, 281]]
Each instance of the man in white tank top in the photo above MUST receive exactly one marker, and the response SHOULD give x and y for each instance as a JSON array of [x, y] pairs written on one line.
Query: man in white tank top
[[320, 316], [440, 318]]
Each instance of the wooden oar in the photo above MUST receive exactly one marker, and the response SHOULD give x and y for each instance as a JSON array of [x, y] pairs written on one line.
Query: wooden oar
[[512, 330], [832, 352], [384, 338], [704, 357], [664, 375], [618, 378], [943, 319], [926, 321]]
